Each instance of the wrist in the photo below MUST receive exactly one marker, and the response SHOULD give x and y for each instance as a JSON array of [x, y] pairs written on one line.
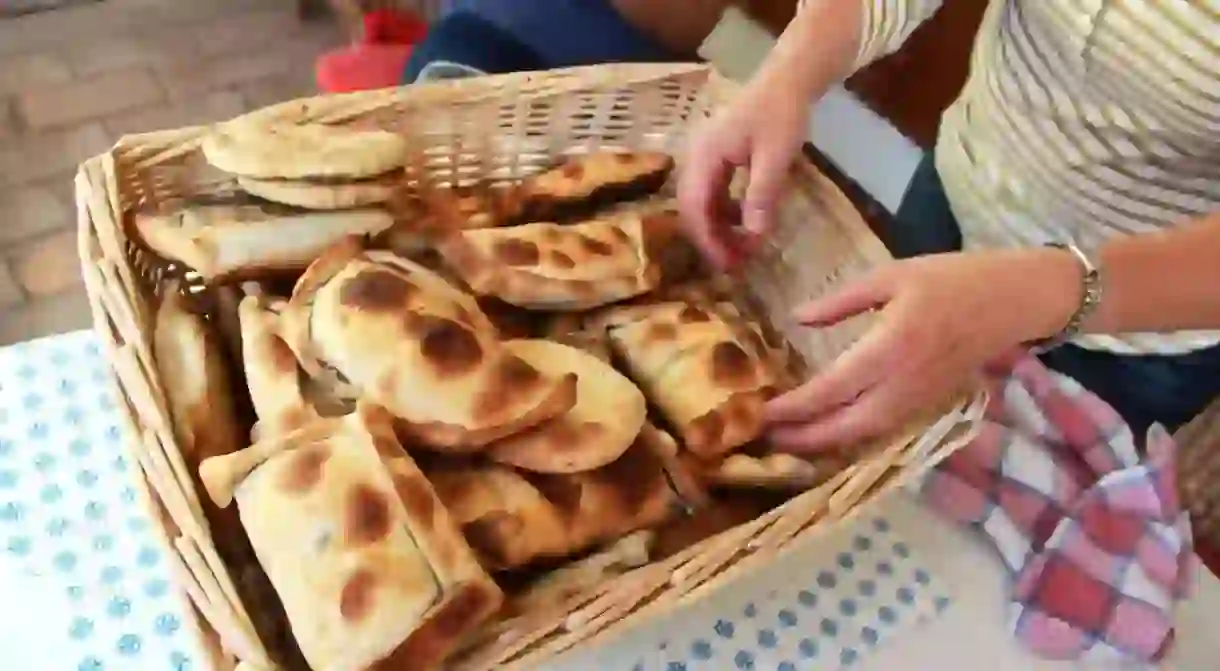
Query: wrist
[[1064, 290]]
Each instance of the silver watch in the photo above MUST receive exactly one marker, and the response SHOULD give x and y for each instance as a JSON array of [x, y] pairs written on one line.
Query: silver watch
[[1090, 297]]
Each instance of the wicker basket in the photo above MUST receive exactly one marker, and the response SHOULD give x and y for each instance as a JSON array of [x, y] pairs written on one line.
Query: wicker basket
[[533, 117]]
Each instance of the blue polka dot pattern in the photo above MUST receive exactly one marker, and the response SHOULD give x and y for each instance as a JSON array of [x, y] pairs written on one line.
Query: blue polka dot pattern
[[870, 635], [128, 645], [767, 638], [868, 587], [863, 590], [724, 629], [70, 510]]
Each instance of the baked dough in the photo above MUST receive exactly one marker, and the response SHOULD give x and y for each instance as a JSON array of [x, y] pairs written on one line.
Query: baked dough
[[411, 342], [272, 372], [248, 241], [581, 184], [368, 564], [580, 577], [514, 518], [282, 151], [316, 195], [771, 471], [191, 362], [707, 379], [608, 414], [550, 266]]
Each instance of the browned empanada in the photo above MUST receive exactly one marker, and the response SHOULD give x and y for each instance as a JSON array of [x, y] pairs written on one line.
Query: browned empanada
[[707, 379], [198, 391], [514, 518], [608, 414], [579, 577], [582, 184], [272, 372], [550, 266], [772, 471], [368, 564], [413, 343]]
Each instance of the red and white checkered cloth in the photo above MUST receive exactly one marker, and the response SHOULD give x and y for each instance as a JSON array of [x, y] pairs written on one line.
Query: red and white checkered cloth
[[1097, 544]]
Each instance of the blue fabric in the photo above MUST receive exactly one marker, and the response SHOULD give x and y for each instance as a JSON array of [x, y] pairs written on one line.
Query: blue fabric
[[1144, 389], [472, 41], [568, 32]]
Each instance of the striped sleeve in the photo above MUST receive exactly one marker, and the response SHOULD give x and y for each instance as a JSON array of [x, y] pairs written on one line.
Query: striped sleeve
[[888, 23]]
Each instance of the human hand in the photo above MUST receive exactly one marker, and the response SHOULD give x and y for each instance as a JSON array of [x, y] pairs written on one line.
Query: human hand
[[763, 131], [940, 320]]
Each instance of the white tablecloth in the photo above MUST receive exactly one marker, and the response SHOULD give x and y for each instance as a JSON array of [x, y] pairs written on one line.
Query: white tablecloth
[[84, 587]]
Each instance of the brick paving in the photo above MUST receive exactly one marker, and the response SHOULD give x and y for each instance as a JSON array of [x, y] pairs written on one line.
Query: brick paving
[[73, 80]]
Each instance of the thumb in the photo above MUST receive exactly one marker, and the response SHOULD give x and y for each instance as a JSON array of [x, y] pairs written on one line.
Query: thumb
[[768, 174], [848, 301]]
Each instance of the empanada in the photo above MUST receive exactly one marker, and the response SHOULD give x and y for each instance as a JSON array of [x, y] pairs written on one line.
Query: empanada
[[191, 361], [580, 577], [578, 186], [245, 241], [411, 342], [608, 414], [581, 184], [708, 382], [549, 266], [272, 372], [514, 518], [771, 471], [370, 567]]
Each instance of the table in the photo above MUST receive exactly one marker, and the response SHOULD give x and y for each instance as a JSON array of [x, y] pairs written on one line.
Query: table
[[85, 590]]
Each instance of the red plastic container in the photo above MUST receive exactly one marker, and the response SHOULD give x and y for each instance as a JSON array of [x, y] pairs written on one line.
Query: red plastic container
[[377, 60]]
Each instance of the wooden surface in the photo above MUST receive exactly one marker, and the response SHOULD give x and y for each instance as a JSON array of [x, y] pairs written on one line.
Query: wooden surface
[[912, 87]]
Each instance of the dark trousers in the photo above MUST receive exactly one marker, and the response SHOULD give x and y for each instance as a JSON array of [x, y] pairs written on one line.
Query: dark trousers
[[1144, 389]]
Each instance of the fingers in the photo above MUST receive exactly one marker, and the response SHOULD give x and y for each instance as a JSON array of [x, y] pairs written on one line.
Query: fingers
[[768, 174], [867, 418], [856, 370], [702, 183], [848, 301]]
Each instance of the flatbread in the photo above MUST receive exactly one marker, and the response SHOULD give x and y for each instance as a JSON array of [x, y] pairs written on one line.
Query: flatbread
[[323, 196], [368, 564], [550, 266], [309, 151], [237, 242], [409, 341], [709, 383], [608, 414]]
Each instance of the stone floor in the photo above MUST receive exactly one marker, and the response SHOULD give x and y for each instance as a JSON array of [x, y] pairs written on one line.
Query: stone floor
[[74, 80]]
